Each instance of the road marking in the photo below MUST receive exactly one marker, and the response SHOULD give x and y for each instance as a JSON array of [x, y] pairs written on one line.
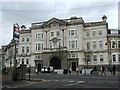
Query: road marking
[[56, 80], [71, 81], [74, 83], [28, 84]]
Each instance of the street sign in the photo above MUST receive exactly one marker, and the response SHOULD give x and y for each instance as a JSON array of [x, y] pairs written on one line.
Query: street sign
[[16, 32]]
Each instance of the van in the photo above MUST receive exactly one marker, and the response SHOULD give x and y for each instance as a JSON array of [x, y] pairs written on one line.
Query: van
[[47, 69]]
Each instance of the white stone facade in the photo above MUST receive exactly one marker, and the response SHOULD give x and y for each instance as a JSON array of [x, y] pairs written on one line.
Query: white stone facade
[[83, 43]]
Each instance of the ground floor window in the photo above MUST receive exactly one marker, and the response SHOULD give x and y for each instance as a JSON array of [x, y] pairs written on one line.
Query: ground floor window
[[94, 57], [22, 60], [101, 58], [114, 57], [119, 57], [27, 60]]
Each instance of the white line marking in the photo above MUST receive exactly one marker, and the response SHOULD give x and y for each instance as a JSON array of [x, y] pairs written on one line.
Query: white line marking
[[56, 80], [75, 83], [71, 81]]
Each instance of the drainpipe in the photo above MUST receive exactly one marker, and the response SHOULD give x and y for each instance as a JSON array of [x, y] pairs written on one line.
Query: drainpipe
[[63, 36]]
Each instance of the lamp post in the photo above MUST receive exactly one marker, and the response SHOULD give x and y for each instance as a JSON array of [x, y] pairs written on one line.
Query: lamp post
[[108, 43], [87, 57], [109, 52], [29, 71]]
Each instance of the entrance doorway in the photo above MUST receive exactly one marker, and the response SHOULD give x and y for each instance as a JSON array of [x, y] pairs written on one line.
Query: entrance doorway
[[55, 62], [73, 66], [39, 67]]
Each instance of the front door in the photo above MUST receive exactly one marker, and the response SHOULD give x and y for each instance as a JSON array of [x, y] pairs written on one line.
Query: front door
[[73, 66], [39, 67]]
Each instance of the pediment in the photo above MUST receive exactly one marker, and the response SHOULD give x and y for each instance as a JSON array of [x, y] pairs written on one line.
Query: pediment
[[54, 22]]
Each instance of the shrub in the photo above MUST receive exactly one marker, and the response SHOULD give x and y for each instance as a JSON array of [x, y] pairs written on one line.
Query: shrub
[[16, 76]]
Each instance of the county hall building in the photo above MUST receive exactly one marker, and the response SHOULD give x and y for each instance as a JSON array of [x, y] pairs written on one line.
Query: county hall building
[[68, 43]]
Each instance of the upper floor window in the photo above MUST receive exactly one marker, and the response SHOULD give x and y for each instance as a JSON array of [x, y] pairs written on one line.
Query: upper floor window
[[93, 33], [88, 45], [118, 44], [94, 57], [39, 46], [27, 39], [100, 44], [37, 57], [119, 57], [27, 49], [36, 46], [101, 58], [113, 44], [69, 44], [94, 44], [87, 33], [36, 35], [58, 33], [27, 60], [22, 60], [54, 44], [73, 44], [50, 45], [52, 34], [39, 35], [100, 32], [73, 55], [23, 39], [114, 57], [72, 32], [23, 50]]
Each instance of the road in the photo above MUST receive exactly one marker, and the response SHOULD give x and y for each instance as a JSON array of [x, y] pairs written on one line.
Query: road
[[74, 81]]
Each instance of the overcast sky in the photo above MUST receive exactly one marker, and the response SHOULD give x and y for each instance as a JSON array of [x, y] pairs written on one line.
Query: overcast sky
[[25, 13]]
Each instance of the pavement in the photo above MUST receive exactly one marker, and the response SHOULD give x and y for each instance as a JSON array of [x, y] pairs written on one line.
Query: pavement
[[17, 84]]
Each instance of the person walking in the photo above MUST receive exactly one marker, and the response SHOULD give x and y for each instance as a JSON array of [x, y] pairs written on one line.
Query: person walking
[[95, 68], [77, 70], [103, 70], [114, 69], [44, 70], [70, 71]]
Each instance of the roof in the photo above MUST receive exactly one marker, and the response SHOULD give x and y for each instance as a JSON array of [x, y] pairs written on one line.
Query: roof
[[95, 24], [71, 21]]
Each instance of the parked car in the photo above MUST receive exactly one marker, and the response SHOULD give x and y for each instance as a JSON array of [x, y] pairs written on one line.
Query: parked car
[[47, 69]]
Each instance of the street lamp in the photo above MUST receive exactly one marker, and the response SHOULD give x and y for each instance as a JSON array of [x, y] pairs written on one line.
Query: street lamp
[[108, 43], [29, 71]]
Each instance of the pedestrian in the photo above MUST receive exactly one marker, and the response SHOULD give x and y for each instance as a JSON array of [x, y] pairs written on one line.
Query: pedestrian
[[114, 69], [44, 70], [110, 70], [77, 70], [103, 70], [36, 71], [70, 71], [48, 69], [95, 68]]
